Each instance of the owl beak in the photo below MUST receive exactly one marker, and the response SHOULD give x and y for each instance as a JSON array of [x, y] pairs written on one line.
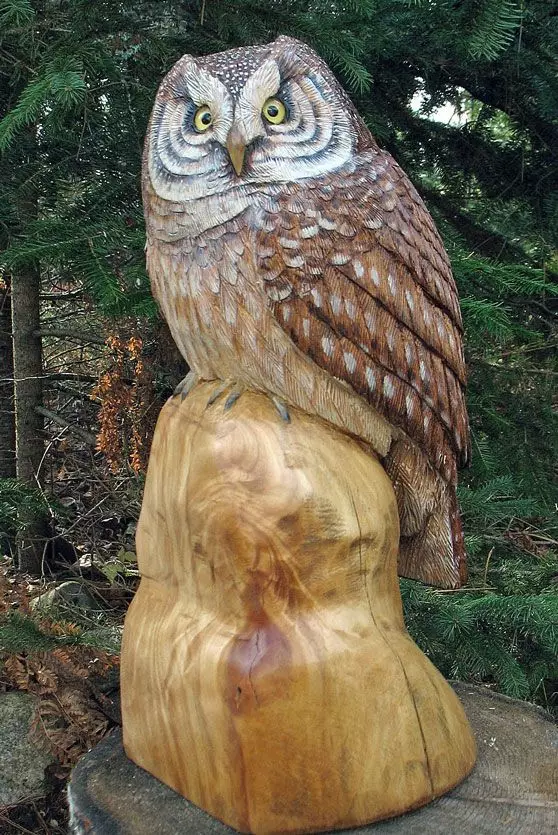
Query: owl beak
[[236, 146]]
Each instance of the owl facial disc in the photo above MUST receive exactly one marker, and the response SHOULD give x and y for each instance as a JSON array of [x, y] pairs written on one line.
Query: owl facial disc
[[247, 118]]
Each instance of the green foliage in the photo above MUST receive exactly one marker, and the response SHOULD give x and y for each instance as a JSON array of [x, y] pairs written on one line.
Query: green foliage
[[18, 501], [123, 565], [24, 633], [494, 28], [506, 640], [21, 633], [493, 503], [57, 91], [15, 13], [486, 318]]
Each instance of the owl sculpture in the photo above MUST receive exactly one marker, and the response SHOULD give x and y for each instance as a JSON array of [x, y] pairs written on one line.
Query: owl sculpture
[[290, 254]]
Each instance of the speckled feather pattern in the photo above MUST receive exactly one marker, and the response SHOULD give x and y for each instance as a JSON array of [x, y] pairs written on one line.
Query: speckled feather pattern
[[332, 291]]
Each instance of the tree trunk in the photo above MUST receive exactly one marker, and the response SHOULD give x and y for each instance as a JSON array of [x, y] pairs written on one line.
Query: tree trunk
[[7, 420], [33, 533]]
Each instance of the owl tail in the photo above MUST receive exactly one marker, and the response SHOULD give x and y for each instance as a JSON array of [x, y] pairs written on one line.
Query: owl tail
[[431, 547]]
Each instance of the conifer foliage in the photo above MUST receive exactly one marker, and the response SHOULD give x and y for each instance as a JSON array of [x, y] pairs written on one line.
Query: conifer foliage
[[464, 94]]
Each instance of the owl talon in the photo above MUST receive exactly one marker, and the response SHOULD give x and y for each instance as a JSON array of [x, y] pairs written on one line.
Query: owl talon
[[217, 393], [186, 385], [231, 399], [281, 409]]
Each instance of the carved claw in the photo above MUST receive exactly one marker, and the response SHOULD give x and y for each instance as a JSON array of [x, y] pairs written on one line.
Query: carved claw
[[235, 391], [231, 399], [217, 393], [282, 409], [186, 385]]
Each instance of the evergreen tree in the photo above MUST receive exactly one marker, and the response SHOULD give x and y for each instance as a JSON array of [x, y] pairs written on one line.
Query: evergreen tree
[[80, 80], [7, 424]]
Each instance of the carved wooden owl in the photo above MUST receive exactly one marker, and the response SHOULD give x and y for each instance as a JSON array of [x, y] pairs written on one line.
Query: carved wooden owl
[[290, 254]]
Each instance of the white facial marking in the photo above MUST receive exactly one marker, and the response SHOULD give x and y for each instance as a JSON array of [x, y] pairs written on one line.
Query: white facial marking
[[262, 84], [193, 168]]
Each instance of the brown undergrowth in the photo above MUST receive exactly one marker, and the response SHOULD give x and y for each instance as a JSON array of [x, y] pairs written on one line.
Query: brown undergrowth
[[75, 688]]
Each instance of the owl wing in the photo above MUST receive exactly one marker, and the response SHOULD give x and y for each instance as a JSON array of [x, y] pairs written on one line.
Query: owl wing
[[357, 275]]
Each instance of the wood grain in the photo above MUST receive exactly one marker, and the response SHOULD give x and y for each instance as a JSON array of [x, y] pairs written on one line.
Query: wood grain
[[266, 671]]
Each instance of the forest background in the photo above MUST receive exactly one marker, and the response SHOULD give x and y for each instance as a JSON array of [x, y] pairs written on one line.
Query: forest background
[[464, 94]]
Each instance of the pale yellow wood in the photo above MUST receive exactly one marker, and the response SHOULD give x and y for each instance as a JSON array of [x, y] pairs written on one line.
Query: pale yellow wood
[[266, 671]]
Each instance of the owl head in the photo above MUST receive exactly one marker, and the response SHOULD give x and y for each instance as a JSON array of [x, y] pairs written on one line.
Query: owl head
[[248, 117]]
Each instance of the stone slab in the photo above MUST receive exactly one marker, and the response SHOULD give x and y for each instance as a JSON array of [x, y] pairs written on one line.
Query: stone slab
[[22, 764], [513, 789]]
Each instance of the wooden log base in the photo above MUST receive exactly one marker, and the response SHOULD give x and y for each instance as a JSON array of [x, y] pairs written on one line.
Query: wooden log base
[[267, 675]]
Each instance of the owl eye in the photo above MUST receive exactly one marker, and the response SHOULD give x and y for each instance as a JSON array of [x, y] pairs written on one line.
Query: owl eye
[[203, 118], [274, 111]]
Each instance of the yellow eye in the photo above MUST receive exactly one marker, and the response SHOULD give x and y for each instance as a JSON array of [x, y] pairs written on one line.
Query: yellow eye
[[274, 111], [203, 118]]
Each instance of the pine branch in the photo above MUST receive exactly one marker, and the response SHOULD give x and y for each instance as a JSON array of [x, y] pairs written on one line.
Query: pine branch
[[494, 28]]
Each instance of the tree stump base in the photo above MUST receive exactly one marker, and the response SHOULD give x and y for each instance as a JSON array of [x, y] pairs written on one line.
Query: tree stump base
[[267, 674], [513, 787]]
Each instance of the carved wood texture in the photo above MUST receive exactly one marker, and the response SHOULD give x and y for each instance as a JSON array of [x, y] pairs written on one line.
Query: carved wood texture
[[266, 671], [313, 272]]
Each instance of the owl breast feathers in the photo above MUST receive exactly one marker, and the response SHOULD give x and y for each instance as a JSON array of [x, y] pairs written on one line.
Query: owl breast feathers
[[290, 254]]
